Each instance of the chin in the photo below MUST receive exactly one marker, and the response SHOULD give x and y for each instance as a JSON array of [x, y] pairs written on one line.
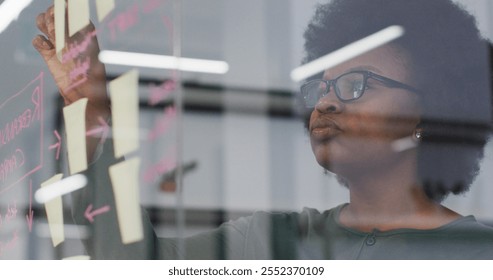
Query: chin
[[325, 156]]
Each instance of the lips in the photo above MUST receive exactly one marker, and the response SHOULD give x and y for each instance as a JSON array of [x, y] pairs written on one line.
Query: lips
[[324, 129]]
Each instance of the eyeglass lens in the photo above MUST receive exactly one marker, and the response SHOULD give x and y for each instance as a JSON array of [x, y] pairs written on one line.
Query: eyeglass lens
[[348, 87]]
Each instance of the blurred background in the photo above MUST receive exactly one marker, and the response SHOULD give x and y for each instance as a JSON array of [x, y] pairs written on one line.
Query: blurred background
[[237, 138]]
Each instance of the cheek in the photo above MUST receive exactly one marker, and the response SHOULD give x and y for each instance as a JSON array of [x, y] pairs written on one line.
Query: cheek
[[382, 128], [392, 122]]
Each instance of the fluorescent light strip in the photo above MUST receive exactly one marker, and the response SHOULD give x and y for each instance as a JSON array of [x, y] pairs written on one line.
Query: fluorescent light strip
[[10, 11], [163, 62], [345, 53], [60, 188]]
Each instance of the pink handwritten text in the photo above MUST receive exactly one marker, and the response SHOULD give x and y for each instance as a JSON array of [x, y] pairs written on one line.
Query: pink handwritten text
[[166, 164], [161, 92], [57, 145], [163, 123], [11, 164], [90, 214], [23, 121], [74, 50], [21, 151], [10, 215], [9, 245], [78, 75], [30, 215], [80, 69], [124, 21], [151, 5]]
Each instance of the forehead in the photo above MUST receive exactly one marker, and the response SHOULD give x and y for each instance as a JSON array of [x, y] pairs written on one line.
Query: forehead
[[388, 60]]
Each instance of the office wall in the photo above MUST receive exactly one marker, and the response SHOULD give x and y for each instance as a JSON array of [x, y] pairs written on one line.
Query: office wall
[[237, 132]]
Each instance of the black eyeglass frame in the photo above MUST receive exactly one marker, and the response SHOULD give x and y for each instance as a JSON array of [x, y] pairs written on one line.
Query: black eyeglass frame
[[366, 74]]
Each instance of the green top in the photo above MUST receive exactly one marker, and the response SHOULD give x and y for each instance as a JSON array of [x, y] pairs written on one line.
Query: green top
[[314, 235], [264, 235]]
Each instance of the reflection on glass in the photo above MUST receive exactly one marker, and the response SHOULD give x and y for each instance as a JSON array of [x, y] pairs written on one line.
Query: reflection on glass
[[359, 160]]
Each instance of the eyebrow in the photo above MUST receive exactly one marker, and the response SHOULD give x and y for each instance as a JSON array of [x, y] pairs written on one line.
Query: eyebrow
[[365, 68], [360, 68]]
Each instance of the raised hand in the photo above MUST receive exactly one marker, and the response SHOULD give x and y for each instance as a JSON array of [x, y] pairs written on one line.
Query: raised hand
[[79, 73]]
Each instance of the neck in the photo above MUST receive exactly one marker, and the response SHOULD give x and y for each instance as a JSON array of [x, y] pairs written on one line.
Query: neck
[[389, 198]]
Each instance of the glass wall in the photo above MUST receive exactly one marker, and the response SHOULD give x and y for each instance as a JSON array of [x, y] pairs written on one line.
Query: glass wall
[[188, 117]]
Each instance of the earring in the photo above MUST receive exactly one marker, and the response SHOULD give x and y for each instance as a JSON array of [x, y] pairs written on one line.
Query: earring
[[418, 134]]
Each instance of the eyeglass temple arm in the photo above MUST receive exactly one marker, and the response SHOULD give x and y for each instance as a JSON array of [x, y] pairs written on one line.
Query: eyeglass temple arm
[[391, 83]]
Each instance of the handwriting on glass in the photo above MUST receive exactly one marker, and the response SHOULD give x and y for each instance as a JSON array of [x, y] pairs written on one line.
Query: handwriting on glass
[[151, 5], [22, 121], [21, 117], [6, 217], [163, 123], [123, 21], [155, 171], [57, 145], [161, 92], [11, 164], [8, 245], [76, 49], [90, 214], [10, 214]]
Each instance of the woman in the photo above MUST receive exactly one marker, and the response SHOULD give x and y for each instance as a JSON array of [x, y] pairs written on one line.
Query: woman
[[431, 86], [438, 95]]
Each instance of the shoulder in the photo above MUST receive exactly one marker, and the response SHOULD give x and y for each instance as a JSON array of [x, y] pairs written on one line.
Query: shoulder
[[308, 217], [465, 238], [275, 235], [261, 221], [470, 226], [476, 237]]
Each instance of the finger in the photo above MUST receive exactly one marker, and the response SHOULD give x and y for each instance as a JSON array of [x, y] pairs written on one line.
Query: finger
[[41, 23], [44, 47], [41, 43], [51, 24], [49, 18]]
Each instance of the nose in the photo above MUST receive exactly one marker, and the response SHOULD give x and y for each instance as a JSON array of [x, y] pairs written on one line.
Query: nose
[[329, 104]]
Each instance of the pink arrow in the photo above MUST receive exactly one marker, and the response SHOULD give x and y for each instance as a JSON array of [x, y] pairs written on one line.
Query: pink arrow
[[104, 129], [30, 216], [57, 145], [90, 215]]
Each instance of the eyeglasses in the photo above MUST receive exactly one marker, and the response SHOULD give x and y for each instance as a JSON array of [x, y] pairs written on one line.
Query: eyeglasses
[[348, 87]]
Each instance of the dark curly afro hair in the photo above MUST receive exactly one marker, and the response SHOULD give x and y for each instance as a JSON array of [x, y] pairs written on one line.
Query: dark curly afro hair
[[451, 65]]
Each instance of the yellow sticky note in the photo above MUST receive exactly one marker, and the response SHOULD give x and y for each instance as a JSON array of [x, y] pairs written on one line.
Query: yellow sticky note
[[125, 181], [59, 27], [75, 126], [54, 213], [78, 15], [104, 7], [125, 112]]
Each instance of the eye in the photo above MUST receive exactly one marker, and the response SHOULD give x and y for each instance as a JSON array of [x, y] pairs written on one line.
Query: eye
[[357, 85], [356, 88], [350, 86]]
